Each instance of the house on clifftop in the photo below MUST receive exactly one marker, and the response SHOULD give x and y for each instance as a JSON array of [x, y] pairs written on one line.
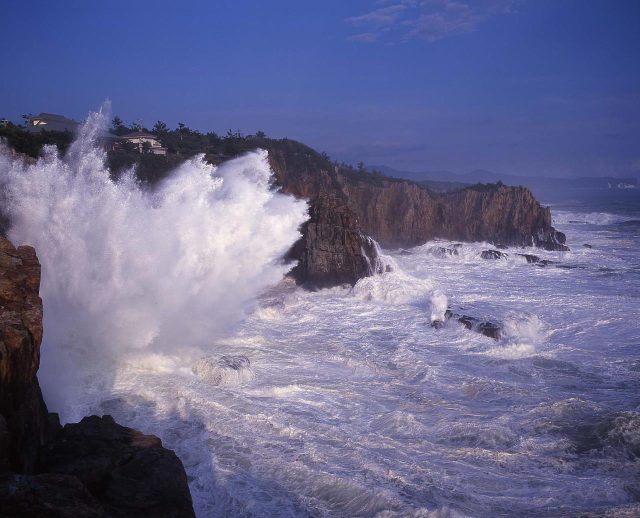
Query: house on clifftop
[[144, 143], [50, 122]]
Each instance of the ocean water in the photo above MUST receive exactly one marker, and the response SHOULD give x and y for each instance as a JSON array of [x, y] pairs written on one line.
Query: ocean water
[[347, 401]]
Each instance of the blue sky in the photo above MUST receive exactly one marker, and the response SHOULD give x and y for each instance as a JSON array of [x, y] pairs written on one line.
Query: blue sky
[[543, 87]]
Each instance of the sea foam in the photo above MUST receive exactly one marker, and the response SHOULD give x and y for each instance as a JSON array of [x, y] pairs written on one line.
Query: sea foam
[[128, 269]]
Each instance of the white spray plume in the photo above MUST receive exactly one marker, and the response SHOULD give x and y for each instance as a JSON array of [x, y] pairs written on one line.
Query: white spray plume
[[127, 270]]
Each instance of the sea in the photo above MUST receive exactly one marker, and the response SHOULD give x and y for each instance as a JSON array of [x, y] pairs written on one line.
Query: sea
[[169, 310]]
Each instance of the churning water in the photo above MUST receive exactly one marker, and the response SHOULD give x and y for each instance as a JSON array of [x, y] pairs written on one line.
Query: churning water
[[167, 310]]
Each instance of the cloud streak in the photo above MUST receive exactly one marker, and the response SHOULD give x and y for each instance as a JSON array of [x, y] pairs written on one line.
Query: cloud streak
[[396, 21]]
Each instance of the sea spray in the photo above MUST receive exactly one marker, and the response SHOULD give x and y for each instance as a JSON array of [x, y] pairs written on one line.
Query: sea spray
[[132, 274]]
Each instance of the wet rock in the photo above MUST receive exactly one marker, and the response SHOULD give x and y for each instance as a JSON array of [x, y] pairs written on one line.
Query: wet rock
[[530, 258], [493, 254], [486, 328], [21, 403], [130, 473], [586, 245], [501, 247], [442, 252], [544, 262], [333, 250], [398, 213], [94, 468]]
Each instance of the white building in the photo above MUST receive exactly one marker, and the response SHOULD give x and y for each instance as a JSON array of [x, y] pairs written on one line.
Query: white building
[[50, 122], [145, 143]]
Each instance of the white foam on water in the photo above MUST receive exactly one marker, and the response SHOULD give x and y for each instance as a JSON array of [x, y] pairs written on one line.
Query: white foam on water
[[351, 403]]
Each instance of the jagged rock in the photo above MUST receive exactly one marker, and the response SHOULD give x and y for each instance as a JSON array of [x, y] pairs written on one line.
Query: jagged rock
[[21, 403], [442, 252], [550, 239], [130, 473], [489, 329], [100, 469], [493, 254], [530, 258], [399, 213], [333, 250]]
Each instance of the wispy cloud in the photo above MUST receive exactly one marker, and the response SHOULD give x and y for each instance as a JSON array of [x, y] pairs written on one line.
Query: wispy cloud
[[395, 21]]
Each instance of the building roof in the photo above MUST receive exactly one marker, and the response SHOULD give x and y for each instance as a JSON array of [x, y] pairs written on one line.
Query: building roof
[[139, 134], [53, 117]]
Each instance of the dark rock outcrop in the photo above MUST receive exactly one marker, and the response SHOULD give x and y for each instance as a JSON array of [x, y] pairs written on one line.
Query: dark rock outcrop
[[484, 327], [493, 254], [130, 473], [443, 252], [333, 250], [398, 213], [95, 468], [530, 258], [21, 405]]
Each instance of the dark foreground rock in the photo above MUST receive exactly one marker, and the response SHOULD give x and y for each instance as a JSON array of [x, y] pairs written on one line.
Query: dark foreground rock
[[22, 408], [486, 328], [95, 468], [130, 473]]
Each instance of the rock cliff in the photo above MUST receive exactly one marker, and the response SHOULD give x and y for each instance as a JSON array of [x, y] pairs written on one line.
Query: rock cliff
[[92, 468], [333, 250], [399, 213]]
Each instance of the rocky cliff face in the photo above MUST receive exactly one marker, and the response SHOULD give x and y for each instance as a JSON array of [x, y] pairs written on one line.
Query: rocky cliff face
[[333, 250], [93, 468], [402, 213], [23, 414]]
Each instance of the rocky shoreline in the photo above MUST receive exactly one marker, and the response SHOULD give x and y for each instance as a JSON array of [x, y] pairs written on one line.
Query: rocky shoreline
[[398, 213], [95, 468]]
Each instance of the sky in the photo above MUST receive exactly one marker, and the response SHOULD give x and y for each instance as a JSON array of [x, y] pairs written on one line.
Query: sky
[[529, 87]]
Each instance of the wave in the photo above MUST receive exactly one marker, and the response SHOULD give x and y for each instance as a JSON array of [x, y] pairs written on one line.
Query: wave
[[129, 271]]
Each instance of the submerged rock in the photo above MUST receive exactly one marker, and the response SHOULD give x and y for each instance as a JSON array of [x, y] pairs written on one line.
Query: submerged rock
[[530, 258], [225, 371], [493, 254], [486, 328], [443, 252]]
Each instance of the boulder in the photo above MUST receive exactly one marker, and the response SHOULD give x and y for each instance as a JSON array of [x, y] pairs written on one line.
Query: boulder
[[486, 328], [443, 252], [493, 254], [130, 473], [530, 258]]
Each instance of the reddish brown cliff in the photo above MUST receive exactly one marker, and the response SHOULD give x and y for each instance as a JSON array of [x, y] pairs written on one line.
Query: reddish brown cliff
[[395, 213], [93, 468]]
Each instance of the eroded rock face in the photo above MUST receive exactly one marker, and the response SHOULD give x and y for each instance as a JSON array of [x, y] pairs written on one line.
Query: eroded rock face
[[399, 213], [333, 250], [21, 405], [95, 468]]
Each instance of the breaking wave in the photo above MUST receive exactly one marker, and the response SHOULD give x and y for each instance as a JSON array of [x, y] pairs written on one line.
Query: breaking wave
[[132, 272]]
